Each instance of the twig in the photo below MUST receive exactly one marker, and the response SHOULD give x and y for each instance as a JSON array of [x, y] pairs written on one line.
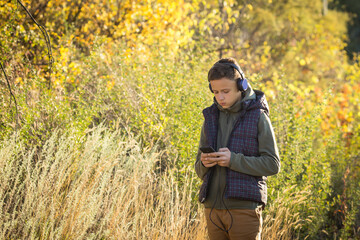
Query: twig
[[47, 39], [11, 95]]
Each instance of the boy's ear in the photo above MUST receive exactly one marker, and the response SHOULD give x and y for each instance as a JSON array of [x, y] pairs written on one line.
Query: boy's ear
[[210, 87], [241, 82]]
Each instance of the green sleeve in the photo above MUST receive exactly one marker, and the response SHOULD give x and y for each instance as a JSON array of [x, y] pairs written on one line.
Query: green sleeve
[[268, 163], [200, 169]]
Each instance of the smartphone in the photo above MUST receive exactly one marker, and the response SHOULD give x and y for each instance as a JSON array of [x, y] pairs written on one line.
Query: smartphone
[[208, 149]]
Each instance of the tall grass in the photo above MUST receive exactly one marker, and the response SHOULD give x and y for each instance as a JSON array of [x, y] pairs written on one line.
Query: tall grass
[[101, 186], [283, 220], [106, 186]]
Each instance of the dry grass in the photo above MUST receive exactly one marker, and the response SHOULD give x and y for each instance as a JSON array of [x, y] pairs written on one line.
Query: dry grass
[[283, 215], [104, 188]]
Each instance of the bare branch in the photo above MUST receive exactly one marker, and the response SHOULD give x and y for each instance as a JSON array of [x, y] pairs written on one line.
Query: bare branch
[[11, 95], [47, 39]]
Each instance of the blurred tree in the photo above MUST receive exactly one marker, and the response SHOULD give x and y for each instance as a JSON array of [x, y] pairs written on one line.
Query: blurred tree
[[138, 25], [267, 36], [351, 6]]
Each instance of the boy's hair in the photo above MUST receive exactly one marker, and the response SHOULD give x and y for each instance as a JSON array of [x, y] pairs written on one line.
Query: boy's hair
[[220, 70]]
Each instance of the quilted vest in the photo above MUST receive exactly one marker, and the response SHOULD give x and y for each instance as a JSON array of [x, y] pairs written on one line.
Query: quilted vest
[[243, 139]]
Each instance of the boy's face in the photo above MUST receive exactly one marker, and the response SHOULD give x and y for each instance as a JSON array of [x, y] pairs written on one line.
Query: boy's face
[[225, 91]]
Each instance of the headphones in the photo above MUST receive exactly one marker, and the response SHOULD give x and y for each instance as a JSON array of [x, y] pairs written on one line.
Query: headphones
[[242, 83]]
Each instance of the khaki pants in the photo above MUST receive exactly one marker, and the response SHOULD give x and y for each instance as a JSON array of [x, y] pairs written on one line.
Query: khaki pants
[[246, 224]]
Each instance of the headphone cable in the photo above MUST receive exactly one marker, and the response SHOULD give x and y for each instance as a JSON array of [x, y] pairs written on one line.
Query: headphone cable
[[212, 208]]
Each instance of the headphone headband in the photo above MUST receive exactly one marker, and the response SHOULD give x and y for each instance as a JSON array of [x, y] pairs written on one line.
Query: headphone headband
[[237, 69]]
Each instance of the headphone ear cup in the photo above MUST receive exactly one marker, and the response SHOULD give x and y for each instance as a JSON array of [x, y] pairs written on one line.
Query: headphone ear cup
[[210, 88], [242, 84]]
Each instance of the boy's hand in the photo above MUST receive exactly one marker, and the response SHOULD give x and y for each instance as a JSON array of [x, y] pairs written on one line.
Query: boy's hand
[[207, 160], [222, 158]]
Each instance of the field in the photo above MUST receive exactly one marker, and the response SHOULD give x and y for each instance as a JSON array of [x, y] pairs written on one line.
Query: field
[[103, 146]]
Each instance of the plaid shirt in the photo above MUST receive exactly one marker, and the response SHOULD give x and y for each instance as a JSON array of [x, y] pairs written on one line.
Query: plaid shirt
[[243, 139]]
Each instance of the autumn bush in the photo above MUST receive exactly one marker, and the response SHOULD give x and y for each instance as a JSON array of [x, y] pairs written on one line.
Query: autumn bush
[[155, 104]]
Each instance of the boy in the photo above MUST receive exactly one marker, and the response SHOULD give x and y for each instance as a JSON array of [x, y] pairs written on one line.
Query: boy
[[238, 128]]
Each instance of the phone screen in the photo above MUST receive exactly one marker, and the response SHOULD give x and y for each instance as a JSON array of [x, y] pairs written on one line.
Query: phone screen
[[207, 149]]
